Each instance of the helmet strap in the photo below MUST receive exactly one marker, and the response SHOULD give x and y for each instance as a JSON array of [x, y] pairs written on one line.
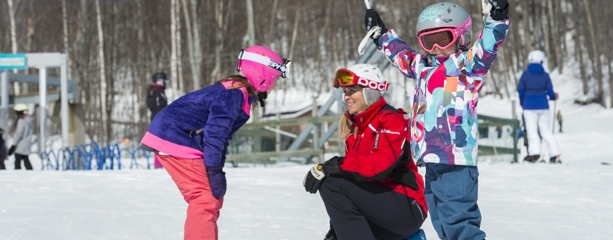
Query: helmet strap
[[261, 97]]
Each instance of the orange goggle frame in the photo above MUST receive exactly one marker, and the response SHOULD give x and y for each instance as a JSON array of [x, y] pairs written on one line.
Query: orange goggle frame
[[346, 78]]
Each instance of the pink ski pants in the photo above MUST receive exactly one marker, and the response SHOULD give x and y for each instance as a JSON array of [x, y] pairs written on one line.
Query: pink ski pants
[[193, 182]]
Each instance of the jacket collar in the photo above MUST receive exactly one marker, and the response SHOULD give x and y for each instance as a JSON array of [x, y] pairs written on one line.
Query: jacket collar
[[361, 120], [536, 68]]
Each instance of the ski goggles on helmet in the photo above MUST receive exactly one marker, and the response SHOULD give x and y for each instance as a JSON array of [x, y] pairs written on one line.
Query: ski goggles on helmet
[[283, 68], [443, 38], [345, 78]]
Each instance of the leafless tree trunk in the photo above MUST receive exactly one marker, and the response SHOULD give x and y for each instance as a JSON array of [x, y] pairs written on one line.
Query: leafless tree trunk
[[182, 87], [597, 68], [220, 27], [193, 39], [526, 24], [102, 71], [557, 59], [13, 38], [65, 27], [173, 39]]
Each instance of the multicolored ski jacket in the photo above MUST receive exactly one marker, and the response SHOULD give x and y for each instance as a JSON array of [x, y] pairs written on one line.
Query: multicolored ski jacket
[[200, 124], [380, 152], [444, 118]]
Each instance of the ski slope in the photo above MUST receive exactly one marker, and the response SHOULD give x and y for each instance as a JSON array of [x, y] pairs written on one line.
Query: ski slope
[[517, 201]]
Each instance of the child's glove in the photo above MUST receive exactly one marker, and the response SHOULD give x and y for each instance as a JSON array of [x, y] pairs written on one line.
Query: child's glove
[[373, 19], [497, 9], [217, 181]]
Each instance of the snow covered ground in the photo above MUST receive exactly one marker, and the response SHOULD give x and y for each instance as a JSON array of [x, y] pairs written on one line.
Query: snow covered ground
[[518, 201]]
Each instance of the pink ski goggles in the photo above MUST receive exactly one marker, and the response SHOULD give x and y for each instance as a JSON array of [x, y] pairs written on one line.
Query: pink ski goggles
[[442, 38]]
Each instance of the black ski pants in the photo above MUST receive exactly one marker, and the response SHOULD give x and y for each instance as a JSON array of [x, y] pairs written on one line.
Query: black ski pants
[[25, 159], [366, 210]]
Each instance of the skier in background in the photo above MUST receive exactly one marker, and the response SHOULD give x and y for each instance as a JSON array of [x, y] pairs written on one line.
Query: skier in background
[[22, 137], [374, 191], [448, 81], [191, 135], [156, 101], [534, 87]]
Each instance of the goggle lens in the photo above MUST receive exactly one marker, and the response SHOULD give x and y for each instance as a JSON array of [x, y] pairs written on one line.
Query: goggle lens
[[343, 78], [444, 39]]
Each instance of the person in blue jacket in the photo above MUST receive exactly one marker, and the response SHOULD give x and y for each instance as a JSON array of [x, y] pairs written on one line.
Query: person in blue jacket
[[190, 136], [534, 88]]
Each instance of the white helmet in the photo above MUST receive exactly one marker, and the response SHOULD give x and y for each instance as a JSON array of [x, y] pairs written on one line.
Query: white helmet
[[21, 107], [365, 75], [537, 56]]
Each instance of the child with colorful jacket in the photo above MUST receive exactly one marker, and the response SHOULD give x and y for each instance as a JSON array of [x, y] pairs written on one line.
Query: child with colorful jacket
[[190, 136], [444, 118], [374, 191]]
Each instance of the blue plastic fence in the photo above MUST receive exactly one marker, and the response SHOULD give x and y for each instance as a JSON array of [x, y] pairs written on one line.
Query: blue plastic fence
[[91, 157]]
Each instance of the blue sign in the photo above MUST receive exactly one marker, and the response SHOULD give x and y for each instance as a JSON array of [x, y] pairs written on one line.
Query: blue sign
[[13, 61]]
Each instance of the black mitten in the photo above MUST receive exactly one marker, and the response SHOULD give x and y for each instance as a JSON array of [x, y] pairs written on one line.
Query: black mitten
[[372, 19], [500, 9]]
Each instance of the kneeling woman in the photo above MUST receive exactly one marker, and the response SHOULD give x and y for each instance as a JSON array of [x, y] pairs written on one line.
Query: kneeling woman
[[374, 191]]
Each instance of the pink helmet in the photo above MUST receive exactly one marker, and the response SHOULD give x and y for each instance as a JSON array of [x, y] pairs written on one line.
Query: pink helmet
[[261, 66]]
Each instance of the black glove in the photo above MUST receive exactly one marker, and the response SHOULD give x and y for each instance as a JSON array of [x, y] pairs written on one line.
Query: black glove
[[12, 150], [372, 19], [498, 9], [333, 166], [312, 180]]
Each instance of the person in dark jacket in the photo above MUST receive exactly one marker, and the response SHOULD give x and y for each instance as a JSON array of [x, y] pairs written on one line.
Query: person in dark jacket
[[156, 101], [534, 87], [156, 97], [191, 135], [2, 149], [374, 191]]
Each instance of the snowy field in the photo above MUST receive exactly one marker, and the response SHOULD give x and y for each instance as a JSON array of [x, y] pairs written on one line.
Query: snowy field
[[518, 201]]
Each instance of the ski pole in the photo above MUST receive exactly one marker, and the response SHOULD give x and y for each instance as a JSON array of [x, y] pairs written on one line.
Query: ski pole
[[374, 31], [553, 129]]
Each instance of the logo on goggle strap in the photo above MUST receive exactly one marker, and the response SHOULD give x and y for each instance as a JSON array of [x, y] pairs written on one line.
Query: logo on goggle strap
[[372, 84]]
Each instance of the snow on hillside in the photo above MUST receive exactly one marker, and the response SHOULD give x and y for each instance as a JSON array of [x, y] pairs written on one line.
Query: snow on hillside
[[518, 201]]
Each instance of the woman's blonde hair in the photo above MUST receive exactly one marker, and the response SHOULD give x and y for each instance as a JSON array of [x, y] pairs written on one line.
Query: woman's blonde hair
[[346, 126]]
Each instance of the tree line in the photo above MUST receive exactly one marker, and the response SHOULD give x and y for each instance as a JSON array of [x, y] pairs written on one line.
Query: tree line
[[114, 46]]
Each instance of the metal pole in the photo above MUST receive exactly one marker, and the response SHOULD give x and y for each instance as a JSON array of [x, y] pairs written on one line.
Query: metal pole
[[4, 105], [315, 128], [42, 113], [64, 101]]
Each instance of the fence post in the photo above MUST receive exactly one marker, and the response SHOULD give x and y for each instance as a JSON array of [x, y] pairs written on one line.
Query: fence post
[[315, 128], [278, 136]]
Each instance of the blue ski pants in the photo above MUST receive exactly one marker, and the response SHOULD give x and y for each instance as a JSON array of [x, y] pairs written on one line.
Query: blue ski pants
[[451, 194]]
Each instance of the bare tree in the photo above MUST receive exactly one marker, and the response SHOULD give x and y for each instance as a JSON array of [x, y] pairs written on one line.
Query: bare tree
[[102, 69]]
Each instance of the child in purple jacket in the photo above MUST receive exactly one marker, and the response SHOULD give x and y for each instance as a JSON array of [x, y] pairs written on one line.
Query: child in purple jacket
[[190, 136]]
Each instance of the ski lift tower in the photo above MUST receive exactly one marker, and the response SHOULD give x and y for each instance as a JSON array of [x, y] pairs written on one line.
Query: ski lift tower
[[42, 61]]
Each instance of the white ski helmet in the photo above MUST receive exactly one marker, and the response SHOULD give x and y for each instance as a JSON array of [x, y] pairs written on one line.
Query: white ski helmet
[[21, 107], [537, 56], [368, 76]]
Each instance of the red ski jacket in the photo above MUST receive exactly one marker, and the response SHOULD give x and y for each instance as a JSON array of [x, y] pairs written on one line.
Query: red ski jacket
[[380, 152]]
